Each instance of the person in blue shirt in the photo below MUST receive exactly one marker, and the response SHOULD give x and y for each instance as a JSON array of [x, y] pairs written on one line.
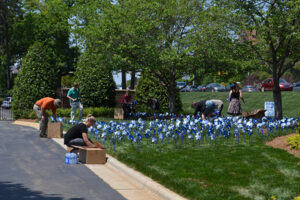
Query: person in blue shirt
[[73, 95]]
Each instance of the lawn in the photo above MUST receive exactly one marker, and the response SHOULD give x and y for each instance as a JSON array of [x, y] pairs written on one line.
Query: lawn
[[254, 100], [228, 170]]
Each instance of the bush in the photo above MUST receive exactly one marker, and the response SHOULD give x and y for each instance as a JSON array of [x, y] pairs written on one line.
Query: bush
[[149, 87], [37, 79], [96, 84], [65, 112], [294, 141]]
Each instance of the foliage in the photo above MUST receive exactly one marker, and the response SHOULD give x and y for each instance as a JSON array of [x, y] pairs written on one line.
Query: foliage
[[294, 141], [271, 29], [67, 81], [96, 84], [96, 112], [65, 112], [170, 38], [149, 87], [36, 79]]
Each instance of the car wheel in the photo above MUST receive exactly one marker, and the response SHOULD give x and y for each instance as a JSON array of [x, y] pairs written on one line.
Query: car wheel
[[213, 90]]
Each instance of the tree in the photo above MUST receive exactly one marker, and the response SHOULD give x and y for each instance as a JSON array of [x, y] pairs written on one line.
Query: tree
[[96, 84], [10, 11], [36, 79], [277, 39], [148, 87]]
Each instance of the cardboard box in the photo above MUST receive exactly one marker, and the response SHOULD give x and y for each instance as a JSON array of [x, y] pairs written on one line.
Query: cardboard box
[[55, 130], [90, 155], [119, 113]]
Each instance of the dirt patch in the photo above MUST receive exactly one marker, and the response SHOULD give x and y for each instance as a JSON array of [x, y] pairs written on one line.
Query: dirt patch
[[282, 143]]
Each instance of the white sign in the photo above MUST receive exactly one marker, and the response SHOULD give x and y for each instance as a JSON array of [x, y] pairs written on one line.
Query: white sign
[[270, 108]]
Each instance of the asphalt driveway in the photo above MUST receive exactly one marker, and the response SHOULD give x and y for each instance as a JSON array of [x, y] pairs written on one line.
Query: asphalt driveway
[[33, 168]]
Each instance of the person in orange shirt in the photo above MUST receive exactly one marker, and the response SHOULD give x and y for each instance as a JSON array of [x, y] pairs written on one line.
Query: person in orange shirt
[[40, 108]]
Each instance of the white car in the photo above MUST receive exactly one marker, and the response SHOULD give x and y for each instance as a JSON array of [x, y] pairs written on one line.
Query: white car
[[7, 102]]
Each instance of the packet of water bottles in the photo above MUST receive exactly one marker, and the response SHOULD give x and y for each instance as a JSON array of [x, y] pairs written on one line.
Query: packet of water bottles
[[71, 158]]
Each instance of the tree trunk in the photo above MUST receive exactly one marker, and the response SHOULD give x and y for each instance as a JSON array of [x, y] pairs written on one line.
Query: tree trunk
[[6, 48], [277, 96], [172, 97], [132, 81], [123, 79], [172, 102]]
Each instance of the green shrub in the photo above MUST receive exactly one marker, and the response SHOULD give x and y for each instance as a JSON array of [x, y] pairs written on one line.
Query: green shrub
[[294, 141], [37, 79], [149, 87], [96, 84]]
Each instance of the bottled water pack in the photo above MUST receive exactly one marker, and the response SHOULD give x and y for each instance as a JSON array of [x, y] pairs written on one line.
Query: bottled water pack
[[71, 158]]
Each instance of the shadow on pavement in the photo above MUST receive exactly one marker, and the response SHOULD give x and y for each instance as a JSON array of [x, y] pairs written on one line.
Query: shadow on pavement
[[12, 191]]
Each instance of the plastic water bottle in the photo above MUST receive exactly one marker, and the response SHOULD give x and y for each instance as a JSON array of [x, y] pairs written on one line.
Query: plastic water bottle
[[67, 158], [74, 158]]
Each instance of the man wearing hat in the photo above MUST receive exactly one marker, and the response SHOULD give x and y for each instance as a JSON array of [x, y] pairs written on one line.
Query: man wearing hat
[[40, 108]]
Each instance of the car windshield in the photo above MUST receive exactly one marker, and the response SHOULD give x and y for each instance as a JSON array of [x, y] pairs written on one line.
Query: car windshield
[[282, 81], [214, 85], [6, 99]]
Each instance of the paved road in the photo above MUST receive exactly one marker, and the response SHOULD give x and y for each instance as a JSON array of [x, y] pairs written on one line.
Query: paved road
[[33, 168]]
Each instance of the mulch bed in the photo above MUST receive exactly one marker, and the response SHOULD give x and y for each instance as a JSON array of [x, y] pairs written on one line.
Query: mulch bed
[[282, 143], [27, 120]]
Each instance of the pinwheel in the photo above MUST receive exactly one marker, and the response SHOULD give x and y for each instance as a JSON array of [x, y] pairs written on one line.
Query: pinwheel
[[154, 141]]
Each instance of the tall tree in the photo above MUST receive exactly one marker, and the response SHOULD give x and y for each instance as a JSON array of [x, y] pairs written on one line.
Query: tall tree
[[10, 10], [277, 39]]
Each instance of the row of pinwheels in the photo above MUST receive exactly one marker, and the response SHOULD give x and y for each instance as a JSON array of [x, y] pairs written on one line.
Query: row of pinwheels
[[187, 130]]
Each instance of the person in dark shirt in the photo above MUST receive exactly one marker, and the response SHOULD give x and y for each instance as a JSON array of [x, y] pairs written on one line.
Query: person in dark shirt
[[154, 104], [125, 102], [208, 107], [77, 135]]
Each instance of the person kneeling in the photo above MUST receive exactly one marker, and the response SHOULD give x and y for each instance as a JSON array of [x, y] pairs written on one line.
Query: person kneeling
[[77, 135]]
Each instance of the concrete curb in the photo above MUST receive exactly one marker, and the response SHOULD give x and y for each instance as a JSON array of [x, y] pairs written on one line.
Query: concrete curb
[[144, 181], [134, 176]]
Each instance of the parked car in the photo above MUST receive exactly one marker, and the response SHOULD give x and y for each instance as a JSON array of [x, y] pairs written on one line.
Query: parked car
[[180, 84], [201, 88], [227, 87], [249, 88], [193, 88], [7, 102], [267, 85], [296, 86], [185, 89], [214, 87]]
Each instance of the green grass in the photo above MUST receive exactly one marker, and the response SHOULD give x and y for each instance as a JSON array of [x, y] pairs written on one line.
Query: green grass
[[227, 171], [254, 100]]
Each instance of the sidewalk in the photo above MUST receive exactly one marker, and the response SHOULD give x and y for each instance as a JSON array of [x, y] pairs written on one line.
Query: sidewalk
[[129, 183]]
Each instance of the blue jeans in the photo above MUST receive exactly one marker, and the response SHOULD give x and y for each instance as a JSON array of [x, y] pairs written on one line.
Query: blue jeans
[[77, 142]]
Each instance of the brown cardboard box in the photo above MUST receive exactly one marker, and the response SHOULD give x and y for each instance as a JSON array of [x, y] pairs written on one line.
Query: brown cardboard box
[[90, 155], [55, 130], [119, 113]]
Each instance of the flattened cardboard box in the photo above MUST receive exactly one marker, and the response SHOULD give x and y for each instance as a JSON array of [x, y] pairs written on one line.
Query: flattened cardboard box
[[55, 130], [89, 155]]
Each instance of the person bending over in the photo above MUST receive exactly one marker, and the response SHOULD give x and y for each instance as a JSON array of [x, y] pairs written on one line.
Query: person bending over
[[78, 134], [40, 108], [207, 108]]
